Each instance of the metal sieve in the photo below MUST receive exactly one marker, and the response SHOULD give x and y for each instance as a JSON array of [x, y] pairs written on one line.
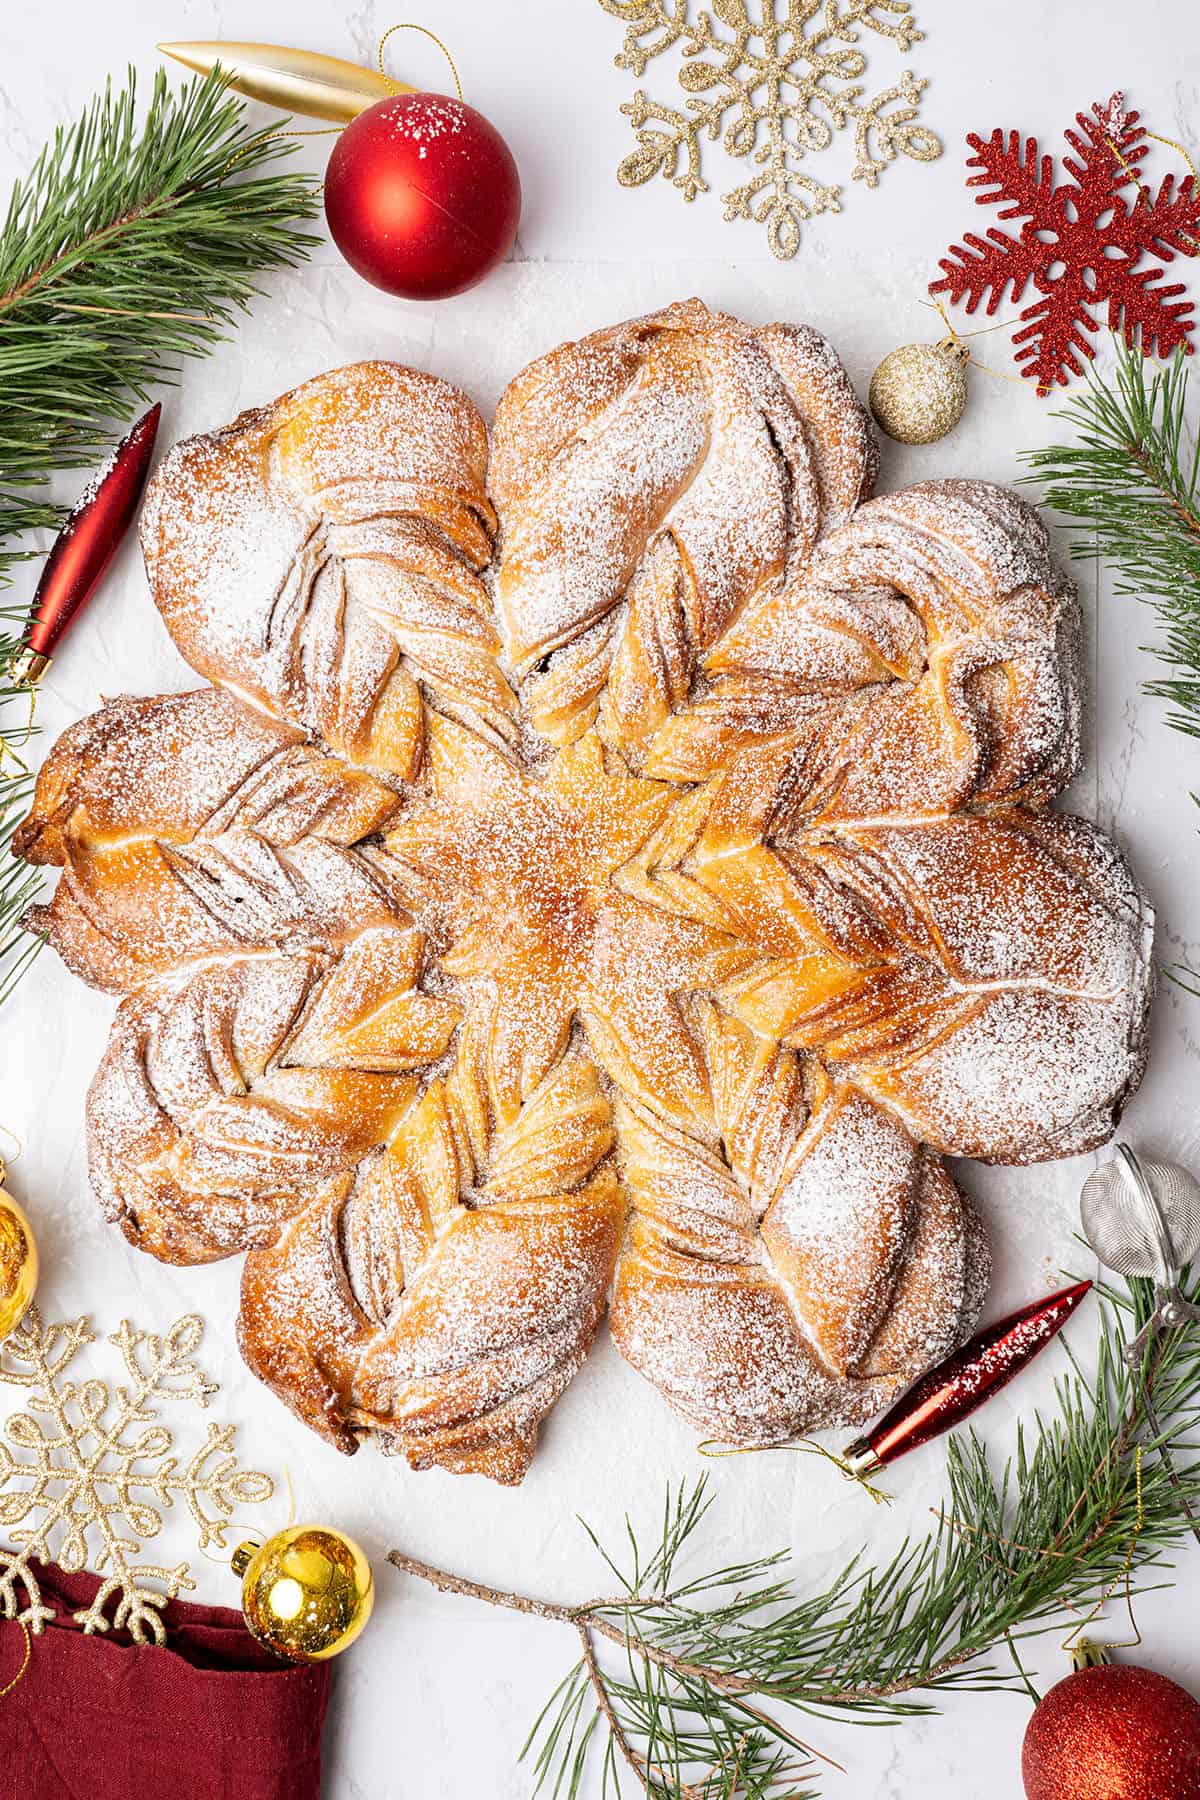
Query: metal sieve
[[1142, 1218]]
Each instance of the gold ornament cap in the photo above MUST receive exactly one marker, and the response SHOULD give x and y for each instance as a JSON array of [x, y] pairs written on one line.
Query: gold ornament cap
[[18, 1262], [306, 1593], [918, 393], [299, 81], [26, 669], [244, 1555]]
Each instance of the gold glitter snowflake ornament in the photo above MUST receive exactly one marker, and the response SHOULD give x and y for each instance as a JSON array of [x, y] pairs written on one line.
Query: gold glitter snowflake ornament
[[86, 1469], [771, 83]]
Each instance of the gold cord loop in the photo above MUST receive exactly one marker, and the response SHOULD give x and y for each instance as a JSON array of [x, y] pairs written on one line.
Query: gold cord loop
[[1076, 1639], [713, 1447], [408, 25], [10, 1685], [1142, 190]]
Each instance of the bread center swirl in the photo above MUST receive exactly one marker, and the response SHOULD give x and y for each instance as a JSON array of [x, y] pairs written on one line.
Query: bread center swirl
[[533, 884]]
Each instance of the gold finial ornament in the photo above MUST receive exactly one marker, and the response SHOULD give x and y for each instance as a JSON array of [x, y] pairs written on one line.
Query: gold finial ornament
[[306, 1593], [18, 1261], [919, 392], [298, 81]]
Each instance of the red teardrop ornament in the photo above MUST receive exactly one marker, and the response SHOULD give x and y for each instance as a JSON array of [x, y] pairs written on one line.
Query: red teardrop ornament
[[949, 1393], [422, 196], [86, 545]]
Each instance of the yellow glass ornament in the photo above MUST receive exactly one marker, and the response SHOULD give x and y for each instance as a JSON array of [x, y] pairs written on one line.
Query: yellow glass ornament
[[306, 1593], [918, 392], [299, 81], [18, 1261]]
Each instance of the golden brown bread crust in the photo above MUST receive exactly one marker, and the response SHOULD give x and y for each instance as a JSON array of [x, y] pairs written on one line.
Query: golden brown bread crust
[[354, 513], [187, 825], [657, 926]]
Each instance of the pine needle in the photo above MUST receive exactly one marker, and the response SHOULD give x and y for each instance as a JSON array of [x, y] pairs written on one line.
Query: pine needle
[[132, 243]]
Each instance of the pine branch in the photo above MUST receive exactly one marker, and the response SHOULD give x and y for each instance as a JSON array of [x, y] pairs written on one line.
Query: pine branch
[[130, 245], [1131, 479], [127, 247], [709, 1663]]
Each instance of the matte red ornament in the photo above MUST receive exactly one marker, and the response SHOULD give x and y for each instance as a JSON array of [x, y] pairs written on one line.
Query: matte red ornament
[[949, 1394], [1113, 1732], [422, 196], [86, 545], [1083, 243]]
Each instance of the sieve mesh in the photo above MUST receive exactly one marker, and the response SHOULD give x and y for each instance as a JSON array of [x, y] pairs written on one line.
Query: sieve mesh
[[1142, 1217]]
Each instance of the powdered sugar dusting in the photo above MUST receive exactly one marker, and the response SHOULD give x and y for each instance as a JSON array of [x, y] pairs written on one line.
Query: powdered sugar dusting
[[449, 1005]]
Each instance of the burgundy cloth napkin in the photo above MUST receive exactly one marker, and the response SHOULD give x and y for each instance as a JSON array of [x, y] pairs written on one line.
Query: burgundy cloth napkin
[[210, 1715]]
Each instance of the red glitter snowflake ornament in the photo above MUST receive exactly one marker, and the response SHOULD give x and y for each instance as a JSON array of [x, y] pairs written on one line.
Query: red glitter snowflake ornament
[[1082, 243]]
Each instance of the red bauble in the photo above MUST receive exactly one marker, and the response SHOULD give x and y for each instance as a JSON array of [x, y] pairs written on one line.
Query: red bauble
[[1113, 1732], [422, 196]]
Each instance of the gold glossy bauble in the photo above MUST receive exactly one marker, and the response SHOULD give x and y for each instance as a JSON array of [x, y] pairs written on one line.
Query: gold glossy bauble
[[18, 1261], [307, 1592], [919, 391]]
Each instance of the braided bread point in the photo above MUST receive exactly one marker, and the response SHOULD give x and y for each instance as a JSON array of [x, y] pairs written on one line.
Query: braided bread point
[[645, 910], [219, 1108], [926, 657], [653, 479], [988, 976], [186, 826], [321, 558], [867, 1267], [447, 1329]]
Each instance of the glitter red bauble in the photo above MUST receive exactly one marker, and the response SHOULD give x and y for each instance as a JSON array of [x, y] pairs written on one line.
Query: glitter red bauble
[[422, 196], [1113, 1733]]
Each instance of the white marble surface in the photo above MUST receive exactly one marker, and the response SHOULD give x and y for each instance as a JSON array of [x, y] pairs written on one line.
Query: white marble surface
[[435, 1702]]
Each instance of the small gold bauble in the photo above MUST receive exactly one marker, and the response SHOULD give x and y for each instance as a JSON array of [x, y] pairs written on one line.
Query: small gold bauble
[[307, 1592], [18, 1262], [919, 391]]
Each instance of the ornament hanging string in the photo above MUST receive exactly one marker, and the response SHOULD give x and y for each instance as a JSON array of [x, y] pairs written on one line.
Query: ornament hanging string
[[226, 1562], [408, 25], [1076, 1640], [8, 748], [12, 1682], [1143, 191], [713, 1447], [288, 131], [958, 337]]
